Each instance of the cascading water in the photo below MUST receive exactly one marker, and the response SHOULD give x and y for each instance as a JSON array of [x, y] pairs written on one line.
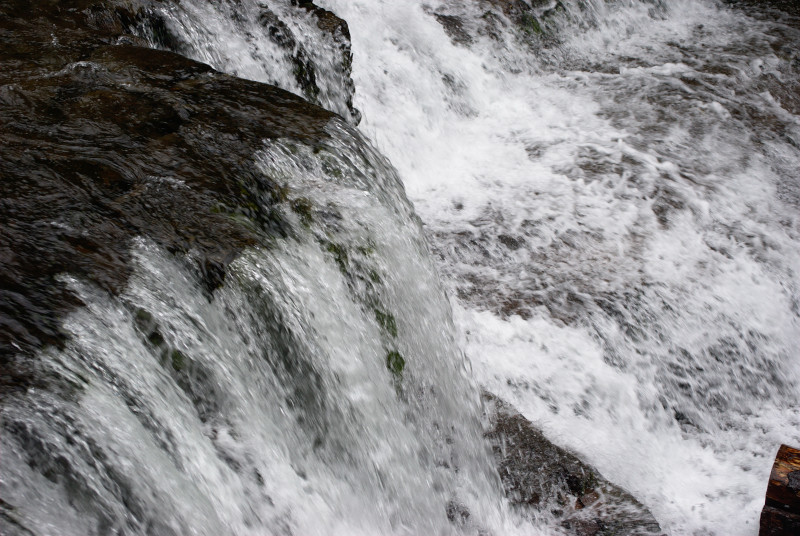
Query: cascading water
[[278, 43], [319, 391], [618, 215], [612, 191]]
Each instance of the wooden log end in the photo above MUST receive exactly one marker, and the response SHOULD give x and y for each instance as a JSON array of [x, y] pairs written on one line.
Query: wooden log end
[[781, 513]]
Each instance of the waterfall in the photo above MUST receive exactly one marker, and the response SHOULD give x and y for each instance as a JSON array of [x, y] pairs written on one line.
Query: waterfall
[[610, 194], [318, 391], [613, 198], [301, 49]]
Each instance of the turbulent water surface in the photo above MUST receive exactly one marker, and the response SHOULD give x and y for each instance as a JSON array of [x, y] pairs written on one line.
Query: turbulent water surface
[[617, 212], [612, 192], [614, 202]]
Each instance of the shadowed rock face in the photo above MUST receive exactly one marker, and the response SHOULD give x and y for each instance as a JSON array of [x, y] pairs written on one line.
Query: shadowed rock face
[[528, 19], [102, 141], [773, 8], [537, 475]]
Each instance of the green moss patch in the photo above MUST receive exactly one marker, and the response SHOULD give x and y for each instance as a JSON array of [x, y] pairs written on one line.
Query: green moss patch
[[387, 322], [395, 363], [303, 208], [339, 255], [178, 360]]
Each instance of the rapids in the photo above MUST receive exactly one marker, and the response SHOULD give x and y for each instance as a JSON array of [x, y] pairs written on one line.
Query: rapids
[[616, 212], [612, 197]]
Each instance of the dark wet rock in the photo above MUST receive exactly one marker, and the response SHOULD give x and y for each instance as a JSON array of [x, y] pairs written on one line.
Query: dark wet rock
[[781, 513], [530, 20], [511, 242], [458, 513], [338, 31], [539, 476], [522, 12], [326, 20], [761, 7], [102, 141], [454, 26], [145, 21]]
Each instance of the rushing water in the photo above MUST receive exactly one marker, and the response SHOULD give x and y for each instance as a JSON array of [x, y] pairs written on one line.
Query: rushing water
[[614, 203], [274, 42], [617, 213], [613, 197], [319, 391]]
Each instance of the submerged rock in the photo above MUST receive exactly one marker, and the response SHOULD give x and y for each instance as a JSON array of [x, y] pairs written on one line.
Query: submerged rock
[[102, 141], [530, 20], [539, 476]]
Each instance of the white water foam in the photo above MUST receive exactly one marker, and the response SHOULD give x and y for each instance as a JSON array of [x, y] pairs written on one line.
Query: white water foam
[[615, 208], [617, 214]]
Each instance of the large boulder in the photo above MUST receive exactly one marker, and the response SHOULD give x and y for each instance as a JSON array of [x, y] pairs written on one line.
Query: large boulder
[[102, 141]]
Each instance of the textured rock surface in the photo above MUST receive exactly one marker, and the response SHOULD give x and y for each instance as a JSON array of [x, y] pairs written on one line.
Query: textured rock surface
[[529, 19], [781, 513], [102, 141], [537, 475]]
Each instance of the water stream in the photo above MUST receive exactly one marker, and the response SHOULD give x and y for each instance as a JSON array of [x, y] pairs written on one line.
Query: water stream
[[613, 199], [319, 391], [611, 193], [616, 211]]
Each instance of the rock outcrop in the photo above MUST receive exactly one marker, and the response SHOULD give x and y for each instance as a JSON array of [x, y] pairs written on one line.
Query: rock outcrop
[[539, 476], [101, 141], [781, 513], [530, 20]]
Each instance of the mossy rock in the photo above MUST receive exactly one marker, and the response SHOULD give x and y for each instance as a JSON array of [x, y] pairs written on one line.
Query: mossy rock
[[340, 255], [374, 276], [395, 363], [303, 207], [178, 360], [367, 250], [530, 24], [387, 322], [114, 142]]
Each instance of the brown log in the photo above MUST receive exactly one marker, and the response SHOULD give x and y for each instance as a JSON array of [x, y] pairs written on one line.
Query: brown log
[[781, 513]]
